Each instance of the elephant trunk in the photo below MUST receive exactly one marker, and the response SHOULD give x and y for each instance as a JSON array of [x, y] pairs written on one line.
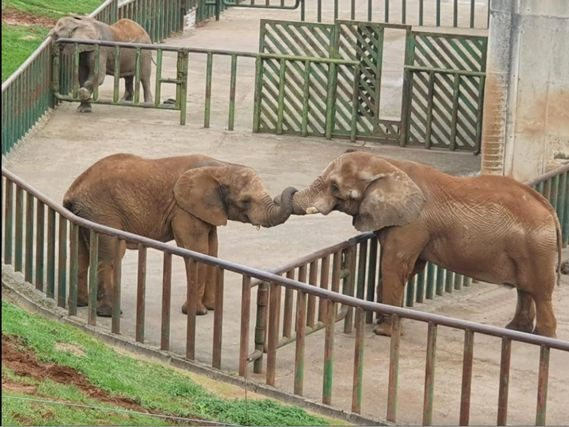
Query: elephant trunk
[[279, 213], [304, 199]]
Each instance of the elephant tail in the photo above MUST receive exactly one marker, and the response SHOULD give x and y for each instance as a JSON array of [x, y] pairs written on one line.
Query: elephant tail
[[559, 249]]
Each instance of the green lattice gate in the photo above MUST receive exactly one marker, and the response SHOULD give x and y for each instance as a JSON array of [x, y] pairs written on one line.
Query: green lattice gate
[[442, 90]]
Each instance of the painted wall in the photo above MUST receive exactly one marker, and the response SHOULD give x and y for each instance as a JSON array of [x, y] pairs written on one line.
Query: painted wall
[[526, 107]]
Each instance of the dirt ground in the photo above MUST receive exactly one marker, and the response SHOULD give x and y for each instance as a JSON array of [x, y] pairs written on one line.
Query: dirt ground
[[67, 143]]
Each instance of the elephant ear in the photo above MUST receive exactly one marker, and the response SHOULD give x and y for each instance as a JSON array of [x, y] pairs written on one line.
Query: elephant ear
[[390, 199], [199, 193]]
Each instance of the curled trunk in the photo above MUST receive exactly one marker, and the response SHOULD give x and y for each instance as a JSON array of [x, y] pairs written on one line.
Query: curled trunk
[[277, 213], [304, 199]]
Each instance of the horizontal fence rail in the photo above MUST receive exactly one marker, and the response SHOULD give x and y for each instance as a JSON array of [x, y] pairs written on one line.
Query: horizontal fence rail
[[41, 240], [434, 13]]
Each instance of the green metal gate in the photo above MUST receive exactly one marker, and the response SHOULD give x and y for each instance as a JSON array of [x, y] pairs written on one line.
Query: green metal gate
[[442, 90]]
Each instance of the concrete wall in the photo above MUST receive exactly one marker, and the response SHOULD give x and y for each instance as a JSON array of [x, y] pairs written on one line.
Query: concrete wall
[[526, 107]]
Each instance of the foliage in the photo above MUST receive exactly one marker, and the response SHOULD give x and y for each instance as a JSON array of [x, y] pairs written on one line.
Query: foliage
[[18, 43], [150, 385], [52, 8]]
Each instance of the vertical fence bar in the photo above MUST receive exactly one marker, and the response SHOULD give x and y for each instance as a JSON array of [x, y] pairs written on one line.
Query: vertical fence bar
[[62, 262], [137, 76], [438, 14], [430, 99], [19, 228], [421, 12], [191, 306], [372, 268], [232, 85], [8, 221], [29, 265], [311, 310], [355, 104], [260, 325], [319, 11], [74, 267], [466, 377], [455, 96], [329, 354], [40, 226], [430, 375], [504, 382], [472, 13], [141, 293], [245, 315], [158, 83], [420, 287], [403, 11], [287, 318], [386, 12], [219, 274], [362, 260], [93, 276], [280, 100], [353, 9], [258, 94], [75, 70], [324, 279], [96, 73], [542, 381], [393, 385], [305, 98], [50, 291], [331, 99], [299, 350], [182, 77], [116, 75], [335, 10], [117, 273], [410, 292], [166, 298], [349, 284], [455, 14], [207, 107], [429, 293], [449, 281], [274, 311], [358, 362]]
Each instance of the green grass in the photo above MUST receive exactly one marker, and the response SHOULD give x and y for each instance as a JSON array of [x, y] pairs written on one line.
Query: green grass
[[23, 408], [19, 41], [17, 44], [52, 8], [150, 385]]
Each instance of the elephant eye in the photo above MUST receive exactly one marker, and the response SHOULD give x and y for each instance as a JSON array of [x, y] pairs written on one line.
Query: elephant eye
[[334, 187], [246, 201]]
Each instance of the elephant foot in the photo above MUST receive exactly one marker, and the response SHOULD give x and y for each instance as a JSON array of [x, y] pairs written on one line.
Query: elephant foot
[[209, 305], [200, 311], [526, 326], [84, 94], [544, 332], [82, 302], [84, 108], [384, 329], [126, 99], [105, 310]]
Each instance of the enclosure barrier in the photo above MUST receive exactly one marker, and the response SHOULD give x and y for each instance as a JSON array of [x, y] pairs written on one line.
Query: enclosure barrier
[[27, 240], [436, 13], [181, 80], [26, 94]]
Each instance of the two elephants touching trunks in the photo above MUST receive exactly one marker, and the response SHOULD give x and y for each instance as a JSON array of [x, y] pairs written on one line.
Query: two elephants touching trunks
[[183, 198], [124, 30], [489, 228]]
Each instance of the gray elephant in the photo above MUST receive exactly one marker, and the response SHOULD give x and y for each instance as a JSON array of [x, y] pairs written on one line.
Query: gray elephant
[[491, 228], [124, 30], [183, 198]]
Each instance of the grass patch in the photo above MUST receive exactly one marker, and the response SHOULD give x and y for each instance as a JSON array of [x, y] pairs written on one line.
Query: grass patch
[[52, 8], [18, 43], [150, 385]]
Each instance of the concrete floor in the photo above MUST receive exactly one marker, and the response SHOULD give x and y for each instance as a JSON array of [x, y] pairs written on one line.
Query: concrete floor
[[67, 143]]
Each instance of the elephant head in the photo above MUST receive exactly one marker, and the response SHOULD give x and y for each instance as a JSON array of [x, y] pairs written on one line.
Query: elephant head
[[218, 193], [76, 27], [373, 191]]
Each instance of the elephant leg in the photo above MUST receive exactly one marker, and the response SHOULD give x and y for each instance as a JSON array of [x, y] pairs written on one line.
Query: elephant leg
[[145, 75], [83, 268], [85, 105], [398, 261], [545, 324], [525, 313], [128, 88], [192, 233], [107, 255], [93, 80], [211, 279]]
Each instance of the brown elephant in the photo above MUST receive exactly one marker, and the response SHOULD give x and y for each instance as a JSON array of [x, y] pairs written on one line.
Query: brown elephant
[[490, 228], [124, 30], [183, 198]]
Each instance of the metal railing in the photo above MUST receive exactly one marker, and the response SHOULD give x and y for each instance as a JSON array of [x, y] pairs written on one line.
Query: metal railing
[[30, 233], [436, 13]]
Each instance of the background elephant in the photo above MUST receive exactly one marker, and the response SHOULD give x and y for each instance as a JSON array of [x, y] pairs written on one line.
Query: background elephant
[[182, 198], [490, 228], [124, 30]]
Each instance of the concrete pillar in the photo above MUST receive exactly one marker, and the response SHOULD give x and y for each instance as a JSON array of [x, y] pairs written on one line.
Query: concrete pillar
[[526, 105]]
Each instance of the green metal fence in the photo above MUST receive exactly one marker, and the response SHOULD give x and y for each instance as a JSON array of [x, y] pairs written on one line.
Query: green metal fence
[[435, 13], [442, 91]]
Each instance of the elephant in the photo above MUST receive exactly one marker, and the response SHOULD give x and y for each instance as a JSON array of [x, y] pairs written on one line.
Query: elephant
[[490, 228], [183, 198], [124, 30]]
